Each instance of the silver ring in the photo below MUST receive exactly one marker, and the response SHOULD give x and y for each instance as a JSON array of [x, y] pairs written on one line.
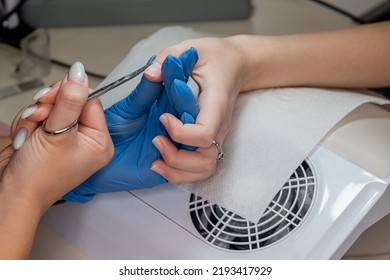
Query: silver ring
[[59, 131], [220, 151]]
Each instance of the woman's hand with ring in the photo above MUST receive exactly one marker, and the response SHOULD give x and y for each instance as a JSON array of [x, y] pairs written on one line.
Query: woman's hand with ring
[[40, 168]]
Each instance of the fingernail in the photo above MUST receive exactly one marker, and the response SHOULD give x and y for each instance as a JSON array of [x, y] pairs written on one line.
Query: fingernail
[[29, 111], [154, 69], [20, 138], [164, 121], [41, 93], [156, 169], [157, 143], [76, 72]]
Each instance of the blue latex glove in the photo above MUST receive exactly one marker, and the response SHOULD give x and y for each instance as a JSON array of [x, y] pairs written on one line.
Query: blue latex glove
[[133, 123]]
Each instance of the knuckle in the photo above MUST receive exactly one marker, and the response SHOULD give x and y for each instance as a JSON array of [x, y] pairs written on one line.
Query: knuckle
[[170, 161], [176, 49], [208, 165], [207, 138], [175, 131], [73, 95], [174, 134], [186, 44], [162, 55]]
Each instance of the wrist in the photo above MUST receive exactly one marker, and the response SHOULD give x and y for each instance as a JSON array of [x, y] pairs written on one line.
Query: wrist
[[23, 197], [19, 220], [15, 203], [253, 67]]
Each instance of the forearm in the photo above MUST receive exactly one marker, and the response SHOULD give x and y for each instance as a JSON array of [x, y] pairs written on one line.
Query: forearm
[[18, 223], [350, 58]]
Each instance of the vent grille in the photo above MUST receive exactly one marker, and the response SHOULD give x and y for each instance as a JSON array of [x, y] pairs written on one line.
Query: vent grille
[[287, 210]]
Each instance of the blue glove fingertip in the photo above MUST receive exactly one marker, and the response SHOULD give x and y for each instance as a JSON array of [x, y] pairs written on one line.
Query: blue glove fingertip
[[183, 98], [187, 118], [188, 59], [171, 69]]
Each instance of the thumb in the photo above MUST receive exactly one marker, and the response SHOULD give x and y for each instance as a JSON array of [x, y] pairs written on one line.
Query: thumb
[[70, 100]]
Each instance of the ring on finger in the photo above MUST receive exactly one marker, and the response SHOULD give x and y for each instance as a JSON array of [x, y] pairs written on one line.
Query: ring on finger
[[59, 131], [219, 148]]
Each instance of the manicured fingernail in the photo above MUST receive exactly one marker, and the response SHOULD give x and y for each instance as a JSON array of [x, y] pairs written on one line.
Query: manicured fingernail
[[41, 93], [157, 143], [76, 72], [154, 69], [20, 138], [156, 169], [29, 111]]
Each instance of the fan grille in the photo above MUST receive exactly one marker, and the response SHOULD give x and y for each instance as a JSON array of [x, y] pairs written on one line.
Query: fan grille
[[225, 229]]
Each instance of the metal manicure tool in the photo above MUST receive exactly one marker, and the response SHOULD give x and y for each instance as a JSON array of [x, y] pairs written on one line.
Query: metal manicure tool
[[96, 94], [120, 81]]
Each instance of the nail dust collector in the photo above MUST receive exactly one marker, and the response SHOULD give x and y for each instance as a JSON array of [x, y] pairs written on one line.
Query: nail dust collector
[[341, 189]]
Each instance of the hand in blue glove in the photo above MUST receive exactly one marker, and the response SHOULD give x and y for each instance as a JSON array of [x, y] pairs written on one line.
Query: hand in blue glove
[[133, 123]]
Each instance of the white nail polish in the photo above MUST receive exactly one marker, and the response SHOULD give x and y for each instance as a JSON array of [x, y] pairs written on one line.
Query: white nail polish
[[29, 111], [20, 138], [76, 72], [41, 93]]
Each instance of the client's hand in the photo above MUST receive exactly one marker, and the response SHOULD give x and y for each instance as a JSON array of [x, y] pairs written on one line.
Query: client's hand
[[134, 123], [219, 73]]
